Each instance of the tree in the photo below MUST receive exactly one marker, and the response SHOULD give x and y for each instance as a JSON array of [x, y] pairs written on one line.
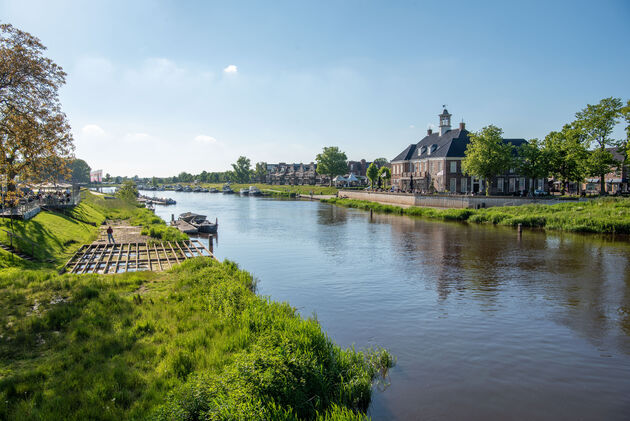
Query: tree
[[332, 162], [35, 136], [107, 177], [380, 162], [80, 171], [385, 174], [532, 161], [624, 144], [597, 123], [566, 154], [128, 191], [487, 155], [154, 181], [242, 170], [372, 173], [261, 172]]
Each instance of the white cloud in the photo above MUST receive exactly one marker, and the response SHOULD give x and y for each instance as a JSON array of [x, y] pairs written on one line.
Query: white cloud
[[231, 69], [92, 130], [205, 139]]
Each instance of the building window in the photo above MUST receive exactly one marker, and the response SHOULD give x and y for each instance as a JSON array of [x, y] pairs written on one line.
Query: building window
[[500, 185], [540, 183], [453, 188], [464, 183], [511, 184], [521, 183], [453, 166]]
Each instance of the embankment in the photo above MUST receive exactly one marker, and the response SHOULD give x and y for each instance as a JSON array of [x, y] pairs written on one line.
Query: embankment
[[604, 216]]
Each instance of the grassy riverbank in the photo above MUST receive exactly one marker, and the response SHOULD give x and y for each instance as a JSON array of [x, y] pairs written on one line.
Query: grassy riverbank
[[606, 216], [278, 190], [53, 237], [194, 343]]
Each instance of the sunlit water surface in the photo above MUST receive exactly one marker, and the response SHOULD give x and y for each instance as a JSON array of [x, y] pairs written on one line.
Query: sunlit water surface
[[484, 325]]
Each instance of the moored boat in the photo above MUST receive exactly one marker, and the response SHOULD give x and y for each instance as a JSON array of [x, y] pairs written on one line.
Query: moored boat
[[227, 189], [244, 191], [254, 191], [200, 222]]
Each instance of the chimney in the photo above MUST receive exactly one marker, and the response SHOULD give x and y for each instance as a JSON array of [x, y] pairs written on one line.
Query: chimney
[[429, 131], [462, 126]]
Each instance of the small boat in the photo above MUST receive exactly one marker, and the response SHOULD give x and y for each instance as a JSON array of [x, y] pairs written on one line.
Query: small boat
[[188, 189], [178, 188], [244, 191], [227, 190], [213, 190], [254, 191], [200, 222], [197, 189], [204, 190]]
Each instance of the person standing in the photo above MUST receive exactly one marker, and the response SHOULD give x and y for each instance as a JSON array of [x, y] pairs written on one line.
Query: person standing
[[110, 235]]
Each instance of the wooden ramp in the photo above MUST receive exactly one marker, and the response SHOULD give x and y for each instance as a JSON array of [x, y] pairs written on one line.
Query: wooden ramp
[[132, 257]]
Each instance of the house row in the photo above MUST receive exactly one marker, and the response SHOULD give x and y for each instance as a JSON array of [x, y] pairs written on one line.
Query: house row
[[434, 164], [306, 174]]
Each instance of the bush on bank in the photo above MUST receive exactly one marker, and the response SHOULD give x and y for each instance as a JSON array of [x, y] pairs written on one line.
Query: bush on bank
[[606, 215], [192, 343]]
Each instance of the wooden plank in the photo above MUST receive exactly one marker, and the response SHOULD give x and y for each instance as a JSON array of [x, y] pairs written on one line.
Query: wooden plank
[[192, 254], [175, 254], [76, 253], [149, 256], [111, 253], [87, 265], [170, 265], [100, 258], [127, 257], [202, 247], [157, 254], [180, 249], [122, 246], [137, 255]]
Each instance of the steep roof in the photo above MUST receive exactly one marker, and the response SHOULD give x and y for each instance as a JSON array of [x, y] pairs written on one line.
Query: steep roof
[[453, 143]]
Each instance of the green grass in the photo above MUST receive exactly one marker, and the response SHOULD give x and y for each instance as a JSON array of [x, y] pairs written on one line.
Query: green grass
[[604, 216], [193, 343], [57, 236]]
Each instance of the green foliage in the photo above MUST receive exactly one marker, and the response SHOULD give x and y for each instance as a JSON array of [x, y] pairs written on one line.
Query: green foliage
[[128, 191], [385, 174], [380, 162], [242, 170], [566, 154], [532, 161], [604, 216], [487, 155], [260, 173], [106, 347], [372, 173], [332, 162], [80, 171]]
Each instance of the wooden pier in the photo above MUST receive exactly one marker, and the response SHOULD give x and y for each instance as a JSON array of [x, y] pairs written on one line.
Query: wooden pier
[[132, 257]]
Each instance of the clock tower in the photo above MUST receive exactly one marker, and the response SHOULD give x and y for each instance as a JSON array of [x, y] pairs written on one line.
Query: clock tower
[[445, 122]]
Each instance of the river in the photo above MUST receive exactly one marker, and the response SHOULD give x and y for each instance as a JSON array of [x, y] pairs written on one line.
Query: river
[[484, 324]]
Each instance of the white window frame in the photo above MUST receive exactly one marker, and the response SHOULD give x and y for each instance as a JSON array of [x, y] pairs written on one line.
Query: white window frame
[[512, 185], [453, 185], [453, 167], [464, 183], [521, 183], [500, 184]]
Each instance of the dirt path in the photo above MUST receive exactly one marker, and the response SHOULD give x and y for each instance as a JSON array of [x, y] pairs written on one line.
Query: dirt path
[[123, 233]]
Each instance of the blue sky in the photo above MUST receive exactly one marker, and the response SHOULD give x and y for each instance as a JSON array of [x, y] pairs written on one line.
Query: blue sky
[[159, 87]]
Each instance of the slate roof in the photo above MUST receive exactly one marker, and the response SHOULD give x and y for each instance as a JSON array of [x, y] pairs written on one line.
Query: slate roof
[[453, 143]]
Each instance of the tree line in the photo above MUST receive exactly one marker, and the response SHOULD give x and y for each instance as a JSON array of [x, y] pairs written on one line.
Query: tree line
[[580, 149]]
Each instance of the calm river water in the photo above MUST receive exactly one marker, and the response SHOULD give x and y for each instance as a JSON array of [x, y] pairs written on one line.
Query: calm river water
[[484, 325]]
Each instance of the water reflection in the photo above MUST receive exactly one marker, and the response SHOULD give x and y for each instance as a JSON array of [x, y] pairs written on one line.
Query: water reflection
[[485, 324]]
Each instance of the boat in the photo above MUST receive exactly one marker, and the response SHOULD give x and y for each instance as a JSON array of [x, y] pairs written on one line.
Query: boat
[[178, 188], [200, 222], [197, 189], [227, 190], [213, 190], [254, 191], [204, 190], [188, 189], [244, 191]]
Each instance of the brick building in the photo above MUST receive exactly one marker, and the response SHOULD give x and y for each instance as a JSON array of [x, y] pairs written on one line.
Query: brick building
[[434, 164]]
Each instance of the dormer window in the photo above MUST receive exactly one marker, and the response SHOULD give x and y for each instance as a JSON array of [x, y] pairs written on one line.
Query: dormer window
[[423, 150]]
